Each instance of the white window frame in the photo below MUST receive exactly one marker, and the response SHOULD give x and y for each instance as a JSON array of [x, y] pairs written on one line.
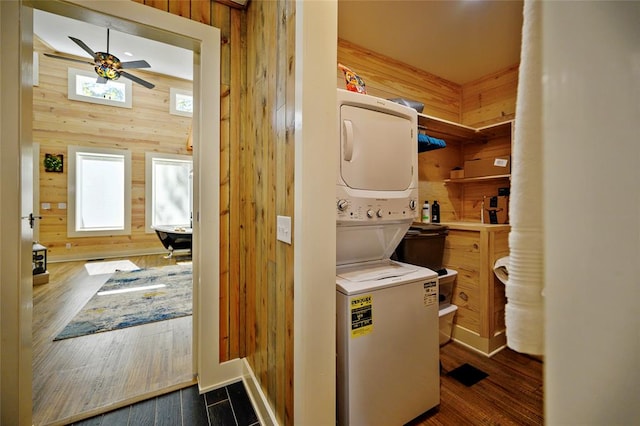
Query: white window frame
[[36, 69], [72, 75], [173, 93], [149, 157], [72, 194]]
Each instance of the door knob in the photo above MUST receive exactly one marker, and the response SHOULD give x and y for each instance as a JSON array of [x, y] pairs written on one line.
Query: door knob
[[32, 219]]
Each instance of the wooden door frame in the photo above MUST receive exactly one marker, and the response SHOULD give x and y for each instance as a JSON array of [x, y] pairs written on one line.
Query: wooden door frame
[[16, 299]]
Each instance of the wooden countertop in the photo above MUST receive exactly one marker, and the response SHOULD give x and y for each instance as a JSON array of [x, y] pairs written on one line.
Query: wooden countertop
[[476, 226]]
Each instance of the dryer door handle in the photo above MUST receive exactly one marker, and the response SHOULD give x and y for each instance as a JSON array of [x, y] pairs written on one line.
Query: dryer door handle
[[348, 140]]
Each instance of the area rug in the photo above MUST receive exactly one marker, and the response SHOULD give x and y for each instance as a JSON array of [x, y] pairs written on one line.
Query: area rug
[[109, 267], [132, 298]]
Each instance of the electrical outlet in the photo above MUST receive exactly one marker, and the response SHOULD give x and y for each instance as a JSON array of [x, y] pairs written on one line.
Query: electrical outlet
[[284, 229], [68, 246]]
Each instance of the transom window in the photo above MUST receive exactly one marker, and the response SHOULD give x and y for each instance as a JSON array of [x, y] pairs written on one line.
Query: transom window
[[83, 86], [181, 102]]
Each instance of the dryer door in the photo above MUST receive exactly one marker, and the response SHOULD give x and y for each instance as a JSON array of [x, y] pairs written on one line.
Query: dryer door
[[376, 149]]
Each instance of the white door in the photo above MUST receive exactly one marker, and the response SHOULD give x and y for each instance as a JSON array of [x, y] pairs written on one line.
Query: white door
[[15, 209]]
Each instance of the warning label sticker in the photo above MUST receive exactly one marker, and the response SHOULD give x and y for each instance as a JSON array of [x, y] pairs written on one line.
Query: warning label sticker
[[361, 315], [430, 293]]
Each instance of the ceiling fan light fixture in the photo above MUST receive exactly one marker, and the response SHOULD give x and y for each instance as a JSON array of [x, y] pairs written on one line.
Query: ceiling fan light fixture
[[107, 66], [108, 73]]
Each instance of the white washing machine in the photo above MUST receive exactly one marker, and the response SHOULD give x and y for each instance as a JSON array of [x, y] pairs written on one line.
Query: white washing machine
[[387, 312], [387, 343]]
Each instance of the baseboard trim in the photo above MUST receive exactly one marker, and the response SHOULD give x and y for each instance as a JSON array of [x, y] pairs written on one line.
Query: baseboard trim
[[485, 346], [258, 398]]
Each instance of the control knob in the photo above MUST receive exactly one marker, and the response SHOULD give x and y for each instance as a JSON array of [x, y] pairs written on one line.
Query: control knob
[[369, 213], [379, 213], [342, 205], [412, 204]]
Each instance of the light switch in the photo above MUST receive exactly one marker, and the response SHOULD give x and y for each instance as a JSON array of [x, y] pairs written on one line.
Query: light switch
[[45, 206], [284, 229], [62, 206]]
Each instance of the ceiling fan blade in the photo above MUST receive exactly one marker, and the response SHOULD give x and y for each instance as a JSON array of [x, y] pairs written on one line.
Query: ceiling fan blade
[[69, 59], [135, 64], [137, 80], [83, 46]]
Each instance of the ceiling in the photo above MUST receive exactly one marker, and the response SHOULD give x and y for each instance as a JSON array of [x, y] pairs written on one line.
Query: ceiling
[[54, 30], [458, 40]]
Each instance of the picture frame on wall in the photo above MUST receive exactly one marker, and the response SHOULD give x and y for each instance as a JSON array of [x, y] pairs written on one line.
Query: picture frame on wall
[[53, 163]]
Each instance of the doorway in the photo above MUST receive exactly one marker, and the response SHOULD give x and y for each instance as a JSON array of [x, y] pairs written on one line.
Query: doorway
[[76, 377], [154, 24]]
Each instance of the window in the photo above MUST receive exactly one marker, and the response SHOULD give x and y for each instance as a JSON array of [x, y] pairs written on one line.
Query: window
[[169, 185], [99, 185], [83, 86], [181, 102]]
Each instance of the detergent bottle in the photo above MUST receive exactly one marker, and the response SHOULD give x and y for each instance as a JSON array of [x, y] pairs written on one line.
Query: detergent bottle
[[426, 218]]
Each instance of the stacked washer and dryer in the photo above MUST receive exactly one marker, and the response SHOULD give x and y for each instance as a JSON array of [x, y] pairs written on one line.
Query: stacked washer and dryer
[[387, 311]]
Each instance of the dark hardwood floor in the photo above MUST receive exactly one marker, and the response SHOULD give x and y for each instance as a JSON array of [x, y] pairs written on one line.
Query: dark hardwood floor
[[226, 406], [511, 394]]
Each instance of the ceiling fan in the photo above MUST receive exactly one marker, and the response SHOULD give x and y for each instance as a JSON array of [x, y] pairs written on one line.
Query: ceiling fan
[[108, 66]]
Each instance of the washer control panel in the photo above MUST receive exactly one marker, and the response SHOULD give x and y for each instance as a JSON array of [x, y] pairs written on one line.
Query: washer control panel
[[363, 209]]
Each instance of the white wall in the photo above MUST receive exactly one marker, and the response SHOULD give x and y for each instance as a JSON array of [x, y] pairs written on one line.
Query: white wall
[[591, 144], [314, 222]]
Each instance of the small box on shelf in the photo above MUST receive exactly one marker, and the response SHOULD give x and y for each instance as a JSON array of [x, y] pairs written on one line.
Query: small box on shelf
[[487, 166]]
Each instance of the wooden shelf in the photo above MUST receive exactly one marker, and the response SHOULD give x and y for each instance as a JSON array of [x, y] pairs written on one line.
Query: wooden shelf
[[444, 129], [496, 130], [476, 226], [478, 179], [448, 130]]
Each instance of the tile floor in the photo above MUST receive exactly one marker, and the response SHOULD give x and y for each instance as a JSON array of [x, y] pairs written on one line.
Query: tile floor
[[227, 406]]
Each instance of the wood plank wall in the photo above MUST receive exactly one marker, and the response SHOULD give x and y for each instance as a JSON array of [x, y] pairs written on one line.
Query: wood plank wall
[[257, 163], [490, 99], [388, 78], [268, 167], [59, 123]]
